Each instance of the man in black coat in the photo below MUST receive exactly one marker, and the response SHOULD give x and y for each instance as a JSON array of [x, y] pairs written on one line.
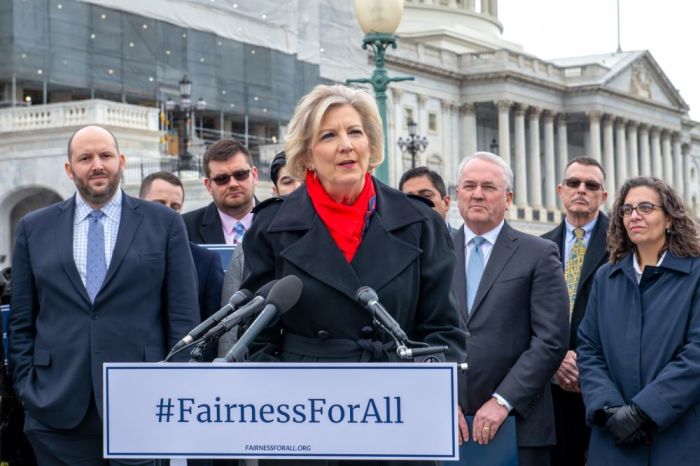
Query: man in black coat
[[230, 179], [582, 192]]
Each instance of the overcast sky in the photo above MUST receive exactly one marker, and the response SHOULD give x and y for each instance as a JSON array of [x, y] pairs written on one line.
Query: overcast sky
[[564, 28]]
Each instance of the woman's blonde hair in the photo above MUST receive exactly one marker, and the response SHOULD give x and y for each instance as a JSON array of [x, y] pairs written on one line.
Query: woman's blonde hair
[[307, 119]]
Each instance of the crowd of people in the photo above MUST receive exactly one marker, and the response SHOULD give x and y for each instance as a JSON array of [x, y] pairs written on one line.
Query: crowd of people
[[589, 336]]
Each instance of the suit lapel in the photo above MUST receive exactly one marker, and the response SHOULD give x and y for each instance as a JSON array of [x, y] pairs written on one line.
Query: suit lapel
[[63, 231], [128, 224], [505, 246], [459, 281], [396, 255], [333, 270], [211, 229]]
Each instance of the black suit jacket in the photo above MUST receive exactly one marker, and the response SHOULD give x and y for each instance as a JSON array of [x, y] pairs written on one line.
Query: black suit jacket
[[204, 225], [516, 331], [596, 256], [210, 279]]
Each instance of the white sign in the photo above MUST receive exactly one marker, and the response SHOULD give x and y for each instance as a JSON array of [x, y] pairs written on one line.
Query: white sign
[[315, 411]]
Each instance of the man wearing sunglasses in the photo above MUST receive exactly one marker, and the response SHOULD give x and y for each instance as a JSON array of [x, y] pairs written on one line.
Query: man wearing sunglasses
[[230, 178], [583, 248]]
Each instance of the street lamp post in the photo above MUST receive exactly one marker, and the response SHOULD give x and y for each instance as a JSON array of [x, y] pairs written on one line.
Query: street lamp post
[[183, 111], [414, 144], [379, 20]]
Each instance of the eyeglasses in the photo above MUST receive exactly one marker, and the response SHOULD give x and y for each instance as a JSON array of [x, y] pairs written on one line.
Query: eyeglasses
[[238, 175], [643, 208], [576, 182]]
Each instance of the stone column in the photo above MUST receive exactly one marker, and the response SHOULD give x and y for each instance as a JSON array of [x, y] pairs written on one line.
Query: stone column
[[687, 192], [470, 5], [469, 121], [399, 120], [520, 159], [562, 151], [485, 9], [632, 148], [550, 192], [494, 9], [644, 153], [533, 155], [504, 129], [657, 168], [667, 157], [608, 158], [678, 181], [620, 152], [594, 133]]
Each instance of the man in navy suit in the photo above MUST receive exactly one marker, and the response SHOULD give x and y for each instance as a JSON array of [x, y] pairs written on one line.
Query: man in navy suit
[[166, 188], [100, 277]]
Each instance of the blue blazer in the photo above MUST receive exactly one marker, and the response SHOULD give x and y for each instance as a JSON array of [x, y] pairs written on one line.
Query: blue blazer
[[58, 339], [641, 344]]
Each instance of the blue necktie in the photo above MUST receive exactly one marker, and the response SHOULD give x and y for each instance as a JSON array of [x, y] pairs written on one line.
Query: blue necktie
[[475, 269], [96, 264], [238, 232]]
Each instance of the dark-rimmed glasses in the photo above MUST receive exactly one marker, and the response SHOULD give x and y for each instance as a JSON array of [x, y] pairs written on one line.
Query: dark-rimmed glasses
[[643, 208], [576, 182], [238, 175]]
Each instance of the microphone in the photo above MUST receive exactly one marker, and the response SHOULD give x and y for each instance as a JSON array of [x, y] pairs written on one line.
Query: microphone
[[367, 297], [238, 298], [255, 305], [283, 295]]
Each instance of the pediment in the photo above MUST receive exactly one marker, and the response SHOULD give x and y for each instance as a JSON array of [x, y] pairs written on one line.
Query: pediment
[[642, 78]]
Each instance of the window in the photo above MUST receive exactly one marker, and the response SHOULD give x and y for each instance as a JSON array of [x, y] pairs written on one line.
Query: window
[[408, 116], [432, 122]]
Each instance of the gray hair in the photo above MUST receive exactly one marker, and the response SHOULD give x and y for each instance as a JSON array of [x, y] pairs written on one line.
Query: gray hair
[[493, 158]]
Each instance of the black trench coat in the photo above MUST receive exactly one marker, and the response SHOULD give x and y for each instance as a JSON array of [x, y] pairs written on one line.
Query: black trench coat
[[406, 256]]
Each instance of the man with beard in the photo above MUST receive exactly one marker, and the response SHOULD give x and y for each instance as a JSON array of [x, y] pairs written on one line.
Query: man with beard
[[583, 249], [230, 178], [97, 278]]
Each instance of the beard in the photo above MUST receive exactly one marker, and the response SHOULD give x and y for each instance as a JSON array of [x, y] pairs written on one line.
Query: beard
[[101, 196]]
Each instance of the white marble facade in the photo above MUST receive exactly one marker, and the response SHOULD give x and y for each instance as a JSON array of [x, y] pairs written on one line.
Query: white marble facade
[[488, 95], [472, 91]]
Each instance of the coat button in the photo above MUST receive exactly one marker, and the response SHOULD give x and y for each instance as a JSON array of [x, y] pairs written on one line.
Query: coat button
[[323, 334], [367, 332], [94, 317], [469, 334]]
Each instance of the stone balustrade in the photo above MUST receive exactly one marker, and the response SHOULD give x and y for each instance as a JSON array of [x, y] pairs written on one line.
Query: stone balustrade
[[78, 113]]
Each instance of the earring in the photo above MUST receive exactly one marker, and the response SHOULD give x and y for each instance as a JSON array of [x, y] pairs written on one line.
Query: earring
[[668, 231]]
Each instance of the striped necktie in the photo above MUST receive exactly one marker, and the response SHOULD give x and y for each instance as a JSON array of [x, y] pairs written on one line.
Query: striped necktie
[[572, 273], [238, 232]]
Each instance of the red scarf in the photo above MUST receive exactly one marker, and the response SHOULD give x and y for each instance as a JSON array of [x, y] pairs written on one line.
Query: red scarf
[[345, 223]]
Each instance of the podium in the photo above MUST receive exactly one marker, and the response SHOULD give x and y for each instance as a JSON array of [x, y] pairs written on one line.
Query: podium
[[383, 411]]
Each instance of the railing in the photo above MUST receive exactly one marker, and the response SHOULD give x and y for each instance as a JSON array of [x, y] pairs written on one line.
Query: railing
[[78, 113], [137, 169]]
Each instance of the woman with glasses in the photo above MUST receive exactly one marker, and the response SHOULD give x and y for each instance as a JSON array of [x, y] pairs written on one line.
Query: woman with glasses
[[639, 342]]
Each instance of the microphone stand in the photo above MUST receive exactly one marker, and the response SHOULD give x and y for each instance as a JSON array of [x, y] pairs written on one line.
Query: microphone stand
[[417, 351]]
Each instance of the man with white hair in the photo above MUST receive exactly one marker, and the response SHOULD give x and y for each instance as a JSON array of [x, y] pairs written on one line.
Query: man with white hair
[[512, 296]]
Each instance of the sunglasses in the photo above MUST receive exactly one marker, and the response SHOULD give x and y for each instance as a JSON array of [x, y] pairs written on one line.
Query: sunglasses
[[643, 208], [238, 175], [576, 182]]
